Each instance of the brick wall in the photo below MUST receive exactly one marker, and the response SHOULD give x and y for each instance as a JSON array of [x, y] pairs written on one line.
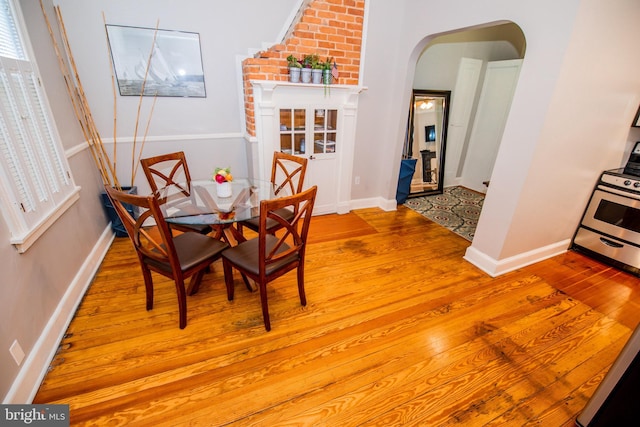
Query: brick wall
[[328, 28]]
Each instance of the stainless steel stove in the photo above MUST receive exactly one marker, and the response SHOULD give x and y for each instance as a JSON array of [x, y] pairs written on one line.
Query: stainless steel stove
[[610, 226]]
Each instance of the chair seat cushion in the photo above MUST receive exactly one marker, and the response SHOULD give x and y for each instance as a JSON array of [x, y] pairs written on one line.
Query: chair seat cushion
[[192, 249], [245, 255], [254, 223], [198, 228]]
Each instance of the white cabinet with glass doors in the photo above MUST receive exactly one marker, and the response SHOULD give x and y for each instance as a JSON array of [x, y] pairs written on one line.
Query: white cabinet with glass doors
[[305, 121]]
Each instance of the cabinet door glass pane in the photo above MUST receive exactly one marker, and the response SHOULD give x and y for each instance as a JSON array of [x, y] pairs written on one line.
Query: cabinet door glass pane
[[285, 120], [300, 144], [332, 119], [300, 119], [324, 127], [285, 143], [292, 131]]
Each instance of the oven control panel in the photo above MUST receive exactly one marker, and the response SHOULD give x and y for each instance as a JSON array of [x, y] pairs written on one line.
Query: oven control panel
[[631, 183]]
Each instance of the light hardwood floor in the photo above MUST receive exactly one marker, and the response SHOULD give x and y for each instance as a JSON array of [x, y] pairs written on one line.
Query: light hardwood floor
[[399, 330]]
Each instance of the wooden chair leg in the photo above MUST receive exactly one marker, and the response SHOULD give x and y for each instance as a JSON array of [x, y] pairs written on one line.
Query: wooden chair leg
[[265, 307], [247, 283], [228, 278], [148, 285], [303, 296], [194, 283], [182, 302]]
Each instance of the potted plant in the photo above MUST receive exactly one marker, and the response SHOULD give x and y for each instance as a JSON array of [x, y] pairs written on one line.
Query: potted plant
[[316, 69], [294, 69], [306, 69], [327, 68]]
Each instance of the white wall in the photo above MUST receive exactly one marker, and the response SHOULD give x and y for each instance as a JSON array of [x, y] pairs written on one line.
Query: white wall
[[553, 135]]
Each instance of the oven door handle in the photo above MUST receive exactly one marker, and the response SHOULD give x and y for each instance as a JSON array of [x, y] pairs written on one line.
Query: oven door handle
[[623, 193], [611, 243]]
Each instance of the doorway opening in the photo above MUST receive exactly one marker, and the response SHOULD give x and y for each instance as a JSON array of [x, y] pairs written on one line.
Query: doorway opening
[[479, 67]]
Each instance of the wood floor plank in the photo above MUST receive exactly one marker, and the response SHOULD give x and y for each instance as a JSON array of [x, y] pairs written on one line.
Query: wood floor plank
[[398, 330]]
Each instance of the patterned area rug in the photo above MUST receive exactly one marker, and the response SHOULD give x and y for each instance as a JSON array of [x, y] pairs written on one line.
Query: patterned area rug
[[457, 209]]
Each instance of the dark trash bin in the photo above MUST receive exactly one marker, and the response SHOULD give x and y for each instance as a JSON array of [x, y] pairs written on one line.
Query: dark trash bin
[[116, 224], [407, 168]]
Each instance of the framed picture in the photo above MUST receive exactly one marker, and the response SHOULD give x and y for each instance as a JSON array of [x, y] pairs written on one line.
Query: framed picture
[[430, 133], [636, 120], [175, 68]]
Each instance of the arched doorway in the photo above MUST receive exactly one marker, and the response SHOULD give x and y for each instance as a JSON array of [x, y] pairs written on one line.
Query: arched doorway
[[464, 62], [480, 66]]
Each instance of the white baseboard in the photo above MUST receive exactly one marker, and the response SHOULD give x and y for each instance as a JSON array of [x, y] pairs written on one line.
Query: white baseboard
[[36, 365], [374, 202], [495, 267]]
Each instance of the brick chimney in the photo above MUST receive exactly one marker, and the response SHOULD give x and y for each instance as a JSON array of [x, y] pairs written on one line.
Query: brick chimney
[[328, 28]]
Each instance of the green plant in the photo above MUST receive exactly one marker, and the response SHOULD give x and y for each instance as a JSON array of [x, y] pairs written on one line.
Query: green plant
[[328, 64], [292, 62], [327, 74], [312, 61]]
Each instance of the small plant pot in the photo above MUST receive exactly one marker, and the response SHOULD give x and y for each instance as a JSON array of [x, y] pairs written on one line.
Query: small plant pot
[[327, 77], [294, 74], [305, 75], [316, 76]]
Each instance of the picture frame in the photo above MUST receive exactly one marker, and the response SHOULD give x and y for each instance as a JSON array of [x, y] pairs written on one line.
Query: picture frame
[[636, 120], [430, 133], [174, 70]]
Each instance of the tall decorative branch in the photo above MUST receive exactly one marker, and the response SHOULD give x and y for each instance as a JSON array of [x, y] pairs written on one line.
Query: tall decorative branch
[[106, 166], [114, 94], [134, 167]]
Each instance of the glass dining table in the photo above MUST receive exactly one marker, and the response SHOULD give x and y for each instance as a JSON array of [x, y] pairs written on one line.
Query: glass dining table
[[198, 202]]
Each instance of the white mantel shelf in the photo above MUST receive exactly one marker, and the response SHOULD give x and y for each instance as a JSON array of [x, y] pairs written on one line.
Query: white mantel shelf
[[264, 91], [273, 84]]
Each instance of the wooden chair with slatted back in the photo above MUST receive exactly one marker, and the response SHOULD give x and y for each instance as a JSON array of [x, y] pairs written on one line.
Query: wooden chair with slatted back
[[267, 257], [287, 176], [186, 255], [171, 169]]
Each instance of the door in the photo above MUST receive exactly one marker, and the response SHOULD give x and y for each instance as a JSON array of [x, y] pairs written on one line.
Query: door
[[464, 95], [494, 104], [313, 133]]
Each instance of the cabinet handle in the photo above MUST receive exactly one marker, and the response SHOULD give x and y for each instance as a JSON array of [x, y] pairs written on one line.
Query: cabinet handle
[[311, 157]]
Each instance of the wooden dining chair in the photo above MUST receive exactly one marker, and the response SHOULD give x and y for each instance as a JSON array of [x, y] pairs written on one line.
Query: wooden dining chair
[[267, 257], [287, 177], [186, 255], [171, 169]]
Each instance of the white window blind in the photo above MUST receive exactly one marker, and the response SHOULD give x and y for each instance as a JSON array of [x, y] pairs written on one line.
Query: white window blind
[[35, 180]]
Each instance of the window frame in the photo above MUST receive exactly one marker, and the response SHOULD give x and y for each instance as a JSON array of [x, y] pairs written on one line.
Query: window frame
[[36, 183]]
